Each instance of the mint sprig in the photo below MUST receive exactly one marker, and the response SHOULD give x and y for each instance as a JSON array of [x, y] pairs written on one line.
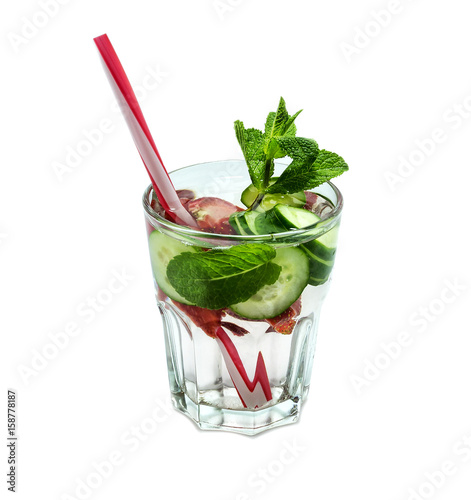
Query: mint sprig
[[222, 277], [260, 149], [309, 168], [278, 125]]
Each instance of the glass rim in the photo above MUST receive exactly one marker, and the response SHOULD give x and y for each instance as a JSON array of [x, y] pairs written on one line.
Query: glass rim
[[324, 223]]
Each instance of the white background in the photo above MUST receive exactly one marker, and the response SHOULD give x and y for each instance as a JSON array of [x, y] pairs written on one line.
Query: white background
[[370, 98]]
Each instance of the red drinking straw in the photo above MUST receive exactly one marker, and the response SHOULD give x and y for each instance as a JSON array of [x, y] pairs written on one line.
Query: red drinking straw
[[253, 393], [140, 132]]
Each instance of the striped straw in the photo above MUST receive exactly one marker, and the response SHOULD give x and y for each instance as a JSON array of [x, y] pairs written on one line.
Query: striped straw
[[132, 113], [253, 393]]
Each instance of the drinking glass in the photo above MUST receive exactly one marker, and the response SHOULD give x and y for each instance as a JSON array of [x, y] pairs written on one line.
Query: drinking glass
[[227, 372]]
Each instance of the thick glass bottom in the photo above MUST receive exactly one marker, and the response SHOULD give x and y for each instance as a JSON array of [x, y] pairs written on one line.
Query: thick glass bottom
[[243, 421], [203, 388]]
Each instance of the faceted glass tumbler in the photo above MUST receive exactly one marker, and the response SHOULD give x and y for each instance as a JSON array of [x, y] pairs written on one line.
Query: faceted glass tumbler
[[227, 372]]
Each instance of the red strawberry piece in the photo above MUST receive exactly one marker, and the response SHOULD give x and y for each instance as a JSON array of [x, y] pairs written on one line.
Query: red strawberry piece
[[286, 321], [320, 206], [207, 319], [185, 196], [186, 193], [155, 205], [161, 295], [311, 200], [185, 202], [235, 329], [212, 214]]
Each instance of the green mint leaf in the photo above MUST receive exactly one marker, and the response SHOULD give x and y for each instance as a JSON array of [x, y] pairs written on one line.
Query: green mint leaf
[[296, 177], [255, 157], [304, 173], [327, 166], [303, 152], [240, 135], [269, 123], [290, 127], [277, 125], [251, 143], [299, 148], [219, 278]]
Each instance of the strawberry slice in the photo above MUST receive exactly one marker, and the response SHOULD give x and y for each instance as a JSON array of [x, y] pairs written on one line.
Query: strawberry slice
[[286, 321], [237, 330], [207, 319], [212, 214], [316, 204], [185, 195], [311, 200], [161, 295]]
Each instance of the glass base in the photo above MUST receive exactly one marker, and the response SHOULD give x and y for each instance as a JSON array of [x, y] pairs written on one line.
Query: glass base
[[228, 371], [203, 390], [248, 422]]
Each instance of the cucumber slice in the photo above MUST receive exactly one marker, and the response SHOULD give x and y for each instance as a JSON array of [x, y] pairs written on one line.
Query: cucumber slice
[[270, 200], [237, 221], [319, 270], [163, 249], [268, 223], [248, 195], [321, 251], [295, 218], [244, 222], [325, 246], [272, 300], [249, 218]]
